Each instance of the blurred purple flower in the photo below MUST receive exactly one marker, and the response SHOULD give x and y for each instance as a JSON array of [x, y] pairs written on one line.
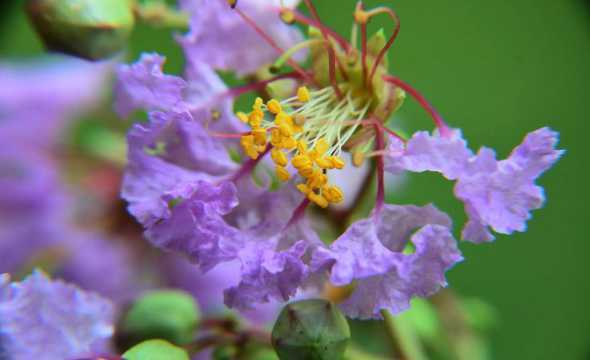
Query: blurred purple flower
[[49, 319], [221, 39]]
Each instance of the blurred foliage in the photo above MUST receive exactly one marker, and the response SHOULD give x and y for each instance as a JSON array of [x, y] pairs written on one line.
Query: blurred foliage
[[497, 70]]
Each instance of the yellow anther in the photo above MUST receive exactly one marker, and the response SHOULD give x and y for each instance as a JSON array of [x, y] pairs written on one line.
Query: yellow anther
[[303, 94], [317, 180], [303, 188], [361, 17], [358, 158], [301, 161], [275, 137], [282, 173], [321, 146], [284, 118], [306, 172], [255, 119], [324, 163], [242, 116], [287, 15], [337, 162], [333, 194], [247, 140], [302, 147], [299, 119], [258, 104], [318, 199], [286, 130], [259, 136], [279, 157], [232, 3], [274, 106], [288, 143]]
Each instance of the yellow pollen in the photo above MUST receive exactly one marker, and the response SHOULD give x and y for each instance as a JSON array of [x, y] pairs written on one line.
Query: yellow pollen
[[258, 104], [282, 173], [279, 157], [242, 116], [303, 188], [259, 136], [275, 137], [274, 106], [288, 143], [303, 94], [318, 199], [333, 194], [301, 161], [255, 119], [287, 15], [337, 162], [358, 158], [324, 163]]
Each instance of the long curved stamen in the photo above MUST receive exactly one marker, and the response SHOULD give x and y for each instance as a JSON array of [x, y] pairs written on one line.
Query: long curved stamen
[[249, 166], [329, 48], [290, 52], [302, 19], [438, 120], [298, 213], [364, 52], [379, 147], [240, 90], [391, 40], [274, 45]]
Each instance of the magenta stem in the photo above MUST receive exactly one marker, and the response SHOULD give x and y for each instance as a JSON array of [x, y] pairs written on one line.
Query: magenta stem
[[379, 147], [438, 120], [249, 166], [298, 213]]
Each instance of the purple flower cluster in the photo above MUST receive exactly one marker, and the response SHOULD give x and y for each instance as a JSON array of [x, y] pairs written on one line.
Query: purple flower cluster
[[196, 193], [45, 319]]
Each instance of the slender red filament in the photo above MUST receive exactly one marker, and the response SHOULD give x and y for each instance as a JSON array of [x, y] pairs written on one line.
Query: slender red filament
[[274, 45], [249, 165], [329, 48], [379, 147], [240, 90], [298, 213], [390, 42], [438, 120], [227, 135], [302, 19]]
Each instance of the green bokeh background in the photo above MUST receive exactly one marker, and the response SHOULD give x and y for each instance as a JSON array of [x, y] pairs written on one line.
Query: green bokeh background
[[496, 69]]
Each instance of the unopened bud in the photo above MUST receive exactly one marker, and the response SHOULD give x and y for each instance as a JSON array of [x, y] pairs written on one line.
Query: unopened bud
[[155, 350], [310, 329], [167, 314], [90, 29]]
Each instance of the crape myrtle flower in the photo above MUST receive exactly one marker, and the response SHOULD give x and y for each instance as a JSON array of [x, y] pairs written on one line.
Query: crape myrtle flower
[[198, 194], [49, 319], [222, 40], [37, 207], [496, 194]]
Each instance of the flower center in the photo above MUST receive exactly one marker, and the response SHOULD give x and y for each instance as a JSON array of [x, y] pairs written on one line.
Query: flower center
[[307, 132]]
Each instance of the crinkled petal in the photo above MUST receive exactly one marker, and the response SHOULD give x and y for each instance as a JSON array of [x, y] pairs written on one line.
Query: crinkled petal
[[220, 38], [143, 85], [424, 152], [170, 151], [501, 194], [419, 274], [44, 319], [195, 225], [371, 252], [267, 275]]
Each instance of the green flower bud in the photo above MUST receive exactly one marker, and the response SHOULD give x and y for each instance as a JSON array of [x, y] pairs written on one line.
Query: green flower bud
[[310, 330], [170, 315], [90, 29], [155, 350]]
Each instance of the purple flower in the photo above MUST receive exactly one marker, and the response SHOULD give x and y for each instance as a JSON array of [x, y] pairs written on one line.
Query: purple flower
[[220, 38], [45, 319], [62, 88], [373, 253], [143, 85], [497, 194]]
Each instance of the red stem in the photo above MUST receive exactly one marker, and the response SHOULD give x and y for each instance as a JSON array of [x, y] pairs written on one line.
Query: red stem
[[380, 146], [438, 120], [387, 46], [249, 165], [302, 19], [274, 45], [298, 213], [329, 48], [237, 91]]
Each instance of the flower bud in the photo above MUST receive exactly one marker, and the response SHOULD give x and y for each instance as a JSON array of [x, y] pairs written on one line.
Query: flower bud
[[155, 350], [90, 29], [310, 329], [167, 314]]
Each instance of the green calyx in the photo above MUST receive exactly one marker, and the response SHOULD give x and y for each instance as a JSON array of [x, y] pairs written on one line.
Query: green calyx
[[310, 330], [367, 86], [170, 315], [91, 29]]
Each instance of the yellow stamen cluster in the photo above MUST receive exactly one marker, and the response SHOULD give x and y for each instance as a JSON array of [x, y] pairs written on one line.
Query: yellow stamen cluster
[[290, 143]]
